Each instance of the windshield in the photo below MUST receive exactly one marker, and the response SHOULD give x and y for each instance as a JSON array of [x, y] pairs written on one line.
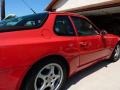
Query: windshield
[[30, 21]]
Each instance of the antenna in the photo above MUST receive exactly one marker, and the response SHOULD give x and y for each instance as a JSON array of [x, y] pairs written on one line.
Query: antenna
[[29, 6]]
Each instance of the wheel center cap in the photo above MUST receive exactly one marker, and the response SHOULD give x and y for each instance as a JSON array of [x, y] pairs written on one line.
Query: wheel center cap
[[50, 79]]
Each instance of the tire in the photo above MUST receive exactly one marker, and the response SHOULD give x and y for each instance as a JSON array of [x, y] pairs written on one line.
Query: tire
[[51, 74], [116, 54]]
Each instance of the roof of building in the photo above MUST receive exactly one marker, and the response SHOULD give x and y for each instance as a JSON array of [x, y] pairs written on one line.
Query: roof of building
[[49, 7], [79, 9]]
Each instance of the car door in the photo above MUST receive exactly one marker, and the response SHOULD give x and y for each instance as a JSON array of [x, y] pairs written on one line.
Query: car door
[[90, 42], [67, 40]]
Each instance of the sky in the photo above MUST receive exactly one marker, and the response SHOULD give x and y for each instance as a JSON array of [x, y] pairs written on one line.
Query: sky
[[20, 9]]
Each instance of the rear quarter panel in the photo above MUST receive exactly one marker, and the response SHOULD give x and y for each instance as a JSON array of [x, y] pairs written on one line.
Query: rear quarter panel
[[24, 48]]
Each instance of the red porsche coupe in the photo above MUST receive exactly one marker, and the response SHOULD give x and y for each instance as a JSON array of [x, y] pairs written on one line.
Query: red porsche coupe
[[40, 51]]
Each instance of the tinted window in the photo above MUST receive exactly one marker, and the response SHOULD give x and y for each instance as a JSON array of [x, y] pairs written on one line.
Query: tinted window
[[84, 27], [24, 22], [63, 26]]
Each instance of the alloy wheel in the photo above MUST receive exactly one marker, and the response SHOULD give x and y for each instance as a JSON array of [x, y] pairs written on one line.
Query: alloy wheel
[[117, 52], [49, 77]]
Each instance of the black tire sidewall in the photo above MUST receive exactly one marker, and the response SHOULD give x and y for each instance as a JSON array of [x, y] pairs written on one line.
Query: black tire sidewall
[[112, 57]]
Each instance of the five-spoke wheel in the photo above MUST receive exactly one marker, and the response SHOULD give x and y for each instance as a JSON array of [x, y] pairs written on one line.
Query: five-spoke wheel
[[50, 74], [49, 77]]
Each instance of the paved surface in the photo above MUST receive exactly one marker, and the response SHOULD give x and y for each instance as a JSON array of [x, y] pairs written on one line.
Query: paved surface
[[102, 76]]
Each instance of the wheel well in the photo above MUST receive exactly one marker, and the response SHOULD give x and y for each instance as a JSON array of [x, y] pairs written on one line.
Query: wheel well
[[118, 42], [62, 59]]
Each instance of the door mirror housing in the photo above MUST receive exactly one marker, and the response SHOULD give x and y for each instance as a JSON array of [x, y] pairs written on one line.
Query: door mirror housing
[[103, 32]]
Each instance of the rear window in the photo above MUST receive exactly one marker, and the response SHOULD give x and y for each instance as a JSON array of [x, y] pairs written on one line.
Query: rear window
[[24, 22]]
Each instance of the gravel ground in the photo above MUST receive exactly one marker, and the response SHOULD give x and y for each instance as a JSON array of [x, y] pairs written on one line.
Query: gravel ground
[[102, 76]]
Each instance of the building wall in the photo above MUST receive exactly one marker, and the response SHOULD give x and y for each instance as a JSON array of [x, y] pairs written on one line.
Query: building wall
[[66, 5]]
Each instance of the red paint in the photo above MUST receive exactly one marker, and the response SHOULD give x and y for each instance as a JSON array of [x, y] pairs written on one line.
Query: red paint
[[19, 50]]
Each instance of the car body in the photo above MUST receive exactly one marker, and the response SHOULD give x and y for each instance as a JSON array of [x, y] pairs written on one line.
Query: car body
[[21, 47]]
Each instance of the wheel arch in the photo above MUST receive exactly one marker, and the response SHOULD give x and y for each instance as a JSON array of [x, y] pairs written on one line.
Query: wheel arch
[[63, 60]]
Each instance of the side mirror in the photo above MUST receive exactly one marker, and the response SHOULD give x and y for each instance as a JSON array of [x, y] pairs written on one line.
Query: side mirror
[[103, 32]]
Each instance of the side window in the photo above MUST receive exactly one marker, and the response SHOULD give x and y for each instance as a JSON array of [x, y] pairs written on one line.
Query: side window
[[84, 27], [63, 26]]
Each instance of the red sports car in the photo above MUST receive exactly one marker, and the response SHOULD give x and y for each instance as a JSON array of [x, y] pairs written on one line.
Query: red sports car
[[40, 51]]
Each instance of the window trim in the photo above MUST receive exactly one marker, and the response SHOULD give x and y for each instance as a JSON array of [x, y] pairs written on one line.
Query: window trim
[[97, 30], [71, 25]]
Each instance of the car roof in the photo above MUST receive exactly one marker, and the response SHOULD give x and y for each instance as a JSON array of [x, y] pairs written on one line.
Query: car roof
[[67, 13]]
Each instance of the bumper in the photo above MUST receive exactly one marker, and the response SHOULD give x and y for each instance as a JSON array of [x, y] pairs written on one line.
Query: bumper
[[10, 79]]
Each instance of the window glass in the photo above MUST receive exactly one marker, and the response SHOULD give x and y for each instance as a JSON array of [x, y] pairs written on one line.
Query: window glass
[[13, 22], [30, 21], [84, 27], [63, 26]]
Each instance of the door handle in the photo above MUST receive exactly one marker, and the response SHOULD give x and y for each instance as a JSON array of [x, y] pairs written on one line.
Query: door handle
[[83, 44]]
